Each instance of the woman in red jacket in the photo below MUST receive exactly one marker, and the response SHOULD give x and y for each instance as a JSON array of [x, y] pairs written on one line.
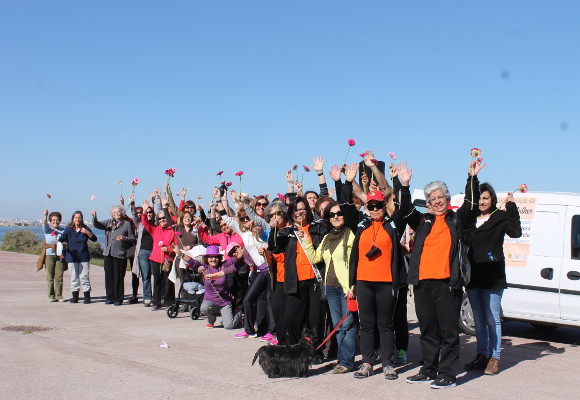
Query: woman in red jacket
[[161, 256]]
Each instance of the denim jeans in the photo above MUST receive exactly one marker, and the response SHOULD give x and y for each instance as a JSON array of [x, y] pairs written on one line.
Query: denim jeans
[[79, 276], [486, 304], [145, 266], [346, 333]]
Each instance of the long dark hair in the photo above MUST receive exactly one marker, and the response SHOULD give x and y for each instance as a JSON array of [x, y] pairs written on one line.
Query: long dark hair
[[326, 214], [486, 187], [72, 220], [292, 207]]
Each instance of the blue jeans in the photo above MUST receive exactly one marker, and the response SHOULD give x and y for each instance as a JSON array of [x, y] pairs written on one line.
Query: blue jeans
[[485, 304], [145, 266], [346, 333]]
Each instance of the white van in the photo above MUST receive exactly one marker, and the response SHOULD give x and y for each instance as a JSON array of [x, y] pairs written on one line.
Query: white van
[[543, 266]]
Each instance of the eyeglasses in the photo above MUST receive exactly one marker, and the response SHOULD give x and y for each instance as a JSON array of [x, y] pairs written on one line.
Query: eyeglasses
[[244, 219], [261, 204], [300, 210], [162, 218], [150, 212], [138, 212], [188, 207], [375, 206], [270, 216], [336, 214]]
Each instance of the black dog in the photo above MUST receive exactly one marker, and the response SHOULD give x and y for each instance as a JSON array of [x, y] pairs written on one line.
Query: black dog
[[289, 360]]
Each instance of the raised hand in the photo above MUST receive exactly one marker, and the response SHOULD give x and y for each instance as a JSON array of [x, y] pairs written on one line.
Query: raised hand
[[290, 177], [183, 193], [121, 200], [216, 193], [267, 196], [335, 173], [364, 179], [331, 192], [510, 198], [373, 186], [94, 213], [369, 159], [318, 164], [475, 166], [164, 201], [145, 206], [351, 172], [157, 192], [234, 195], [131, 197], [404, 174]]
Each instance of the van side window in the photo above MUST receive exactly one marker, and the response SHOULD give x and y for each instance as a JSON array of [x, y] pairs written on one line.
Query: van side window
[[575, 237]]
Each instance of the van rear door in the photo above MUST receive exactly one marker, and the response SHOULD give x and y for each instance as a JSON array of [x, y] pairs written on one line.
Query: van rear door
[[533, 262], [570, 275]]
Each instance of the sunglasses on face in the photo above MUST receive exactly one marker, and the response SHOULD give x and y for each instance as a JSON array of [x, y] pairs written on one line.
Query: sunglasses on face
[[375, 206], [300, 210], [162, 218], [270, 216], [150, 212], [138, 212], [336, 214], [258, 204], [188, 207], [244, 219]]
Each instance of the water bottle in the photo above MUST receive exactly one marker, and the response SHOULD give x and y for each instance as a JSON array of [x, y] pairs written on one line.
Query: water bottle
[[491, 257]]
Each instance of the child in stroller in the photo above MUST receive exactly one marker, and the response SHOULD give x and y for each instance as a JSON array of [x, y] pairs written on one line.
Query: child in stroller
[[190, 294]]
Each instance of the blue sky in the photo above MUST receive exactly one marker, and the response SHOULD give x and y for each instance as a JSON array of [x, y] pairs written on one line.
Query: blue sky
[[94, 91]]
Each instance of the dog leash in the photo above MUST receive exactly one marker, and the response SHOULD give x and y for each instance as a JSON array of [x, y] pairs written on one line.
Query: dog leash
[[334, 330]]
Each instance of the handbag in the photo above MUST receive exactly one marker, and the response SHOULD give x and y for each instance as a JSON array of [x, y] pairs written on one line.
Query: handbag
[[464, 264], [41, 260]]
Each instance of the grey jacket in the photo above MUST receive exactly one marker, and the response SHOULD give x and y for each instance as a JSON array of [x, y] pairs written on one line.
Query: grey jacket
[[113, 247]]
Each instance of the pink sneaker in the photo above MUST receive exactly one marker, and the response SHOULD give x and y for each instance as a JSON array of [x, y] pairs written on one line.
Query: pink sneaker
[[244, 335], [273, 341], [267, 337], [208, 325]]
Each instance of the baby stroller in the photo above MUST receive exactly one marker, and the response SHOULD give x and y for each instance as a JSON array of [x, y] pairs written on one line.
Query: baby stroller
[[190, 294]]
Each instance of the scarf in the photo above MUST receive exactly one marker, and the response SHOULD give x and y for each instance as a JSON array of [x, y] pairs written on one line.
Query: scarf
[[335, 237]]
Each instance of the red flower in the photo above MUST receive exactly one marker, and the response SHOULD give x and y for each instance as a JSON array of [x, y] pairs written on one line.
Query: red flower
[[178, 233], [282, 197], [239, 173], [375, 161], [363, 155], [228, 184], [220, 173], [53, 233], [223, 183], [351, 142], [475, 152], [295, 167], [523, 188], [306, 168]]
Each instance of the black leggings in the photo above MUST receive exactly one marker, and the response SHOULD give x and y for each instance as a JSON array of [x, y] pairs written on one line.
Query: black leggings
[[279, 311], [260, 283], [158, 275], [114, 278], [376, 306]]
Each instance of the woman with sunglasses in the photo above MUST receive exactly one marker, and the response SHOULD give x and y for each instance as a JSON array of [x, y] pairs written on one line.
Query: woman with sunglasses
[[143, 248], [302, 280], [377, 271], [163, 238], [335, 250]]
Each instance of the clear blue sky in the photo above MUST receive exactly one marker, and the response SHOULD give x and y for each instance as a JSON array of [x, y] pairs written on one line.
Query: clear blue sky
[[94, 91]]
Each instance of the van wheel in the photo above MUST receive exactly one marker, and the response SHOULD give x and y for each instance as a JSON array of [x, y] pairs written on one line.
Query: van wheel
[[466, 321]]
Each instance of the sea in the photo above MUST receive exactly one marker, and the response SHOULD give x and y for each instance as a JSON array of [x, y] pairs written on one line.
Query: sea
[[38, 230]]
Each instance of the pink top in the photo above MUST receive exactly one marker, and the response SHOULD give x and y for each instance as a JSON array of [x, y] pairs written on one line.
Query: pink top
[[220, 239], [161, 237]]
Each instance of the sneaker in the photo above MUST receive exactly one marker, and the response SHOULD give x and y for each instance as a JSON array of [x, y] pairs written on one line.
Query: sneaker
[[118, 303], [272, 342], [443, 383], [133, 300], [267, 337], [208, 326], [147, 303], [340, 369], [390, 373], [364, 371], [492, 367], [155, 308], [479, 362], [244, 335], [401, 357], [419, 378]]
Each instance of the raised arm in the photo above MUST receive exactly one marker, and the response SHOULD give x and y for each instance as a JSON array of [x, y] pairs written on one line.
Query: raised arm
[[319, 168], [98, 224]]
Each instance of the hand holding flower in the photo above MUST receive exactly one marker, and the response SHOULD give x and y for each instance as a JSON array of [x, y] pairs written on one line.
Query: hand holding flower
[[290, 177], [475, 166]]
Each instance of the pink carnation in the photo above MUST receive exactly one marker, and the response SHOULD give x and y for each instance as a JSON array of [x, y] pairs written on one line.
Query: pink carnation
[[228, 184], [363, 154], [177, 194], [475, 152], [120, 182], [92, 197], [306, 168], [523, 188], [351, 142], [295, 167], [174, 170], [178, 233], [53, 233], [220, 173], [48, 196], [160, 244], [392, 155], [239, 173], [136, 181]]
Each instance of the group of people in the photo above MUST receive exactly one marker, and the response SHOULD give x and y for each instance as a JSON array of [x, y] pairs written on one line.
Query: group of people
[[276, 266]]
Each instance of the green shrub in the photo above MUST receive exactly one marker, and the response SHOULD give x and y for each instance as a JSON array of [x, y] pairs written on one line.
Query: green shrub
[[95, 249], [22, 241]]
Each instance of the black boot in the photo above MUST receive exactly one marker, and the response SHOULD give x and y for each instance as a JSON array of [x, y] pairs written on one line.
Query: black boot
[[87, 299], [75, 298]]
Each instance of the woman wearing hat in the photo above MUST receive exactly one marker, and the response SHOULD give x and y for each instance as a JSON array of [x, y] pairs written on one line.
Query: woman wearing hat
[[217, 299], [376, 272]]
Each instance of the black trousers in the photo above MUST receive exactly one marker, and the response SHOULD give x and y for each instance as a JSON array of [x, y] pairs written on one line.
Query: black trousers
[[400, 320], [437, 307], [279, 311], [158, 276], [260, 285], [114, 278], [238, 284], [376, 307], [134, 279], [302, 309]]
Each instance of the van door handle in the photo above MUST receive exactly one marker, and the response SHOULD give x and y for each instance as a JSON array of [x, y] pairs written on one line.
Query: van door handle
[[547, 273], [573, 275]]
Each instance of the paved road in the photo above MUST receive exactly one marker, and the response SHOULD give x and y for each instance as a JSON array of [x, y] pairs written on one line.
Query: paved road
[[98, 351]]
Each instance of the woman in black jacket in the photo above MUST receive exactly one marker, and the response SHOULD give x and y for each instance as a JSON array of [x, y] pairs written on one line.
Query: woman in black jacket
[[488, 279], [434, 271], [302, 280]]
